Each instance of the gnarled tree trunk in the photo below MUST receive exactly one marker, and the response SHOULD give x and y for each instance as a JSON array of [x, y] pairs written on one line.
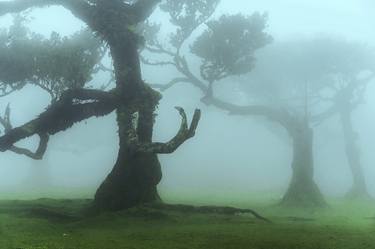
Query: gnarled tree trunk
[[302, 190], [134, 177]]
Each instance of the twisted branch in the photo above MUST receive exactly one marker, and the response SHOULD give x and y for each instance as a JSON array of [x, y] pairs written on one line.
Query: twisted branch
[[38, 154], [185, 132], [42, 147], [164, 87]]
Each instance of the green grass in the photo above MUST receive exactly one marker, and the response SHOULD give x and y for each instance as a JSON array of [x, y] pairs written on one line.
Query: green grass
[[344, 225]]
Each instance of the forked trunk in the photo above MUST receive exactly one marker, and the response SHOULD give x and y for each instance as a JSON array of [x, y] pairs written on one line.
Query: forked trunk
[[134, 178]]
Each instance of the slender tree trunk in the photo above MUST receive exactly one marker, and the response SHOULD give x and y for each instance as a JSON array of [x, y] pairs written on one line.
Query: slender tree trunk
[[302, 190], [358, 189]]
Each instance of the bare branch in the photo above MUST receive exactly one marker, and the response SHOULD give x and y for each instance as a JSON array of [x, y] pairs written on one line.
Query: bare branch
[[164, 87], [87, 94], [42, 147], [156, 63], [38, 154], [185, 132], [159, 49]]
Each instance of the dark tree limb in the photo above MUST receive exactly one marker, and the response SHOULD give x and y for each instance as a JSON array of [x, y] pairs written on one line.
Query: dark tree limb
[[185, 132], [279, 115], [88, 94], [62, 115], [38, 154], [164, 87]]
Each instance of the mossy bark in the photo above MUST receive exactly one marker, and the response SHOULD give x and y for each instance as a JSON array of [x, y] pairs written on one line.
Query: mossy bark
[[303, 191], [134, 178]]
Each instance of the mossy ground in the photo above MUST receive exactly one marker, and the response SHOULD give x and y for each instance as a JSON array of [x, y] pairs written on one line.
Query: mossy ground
[[56, 224]]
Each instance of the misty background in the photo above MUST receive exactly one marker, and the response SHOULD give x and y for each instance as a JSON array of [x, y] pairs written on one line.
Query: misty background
[[230, 155]]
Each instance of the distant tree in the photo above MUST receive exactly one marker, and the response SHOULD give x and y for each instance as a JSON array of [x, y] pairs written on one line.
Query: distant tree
[[349, 68], [334, 73], [65, 69], [286, 87]]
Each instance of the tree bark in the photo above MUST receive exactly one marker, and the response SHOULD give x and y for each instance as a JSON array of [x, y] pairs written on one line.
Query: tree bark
[[134, 177], [303, 191], [358, 189]]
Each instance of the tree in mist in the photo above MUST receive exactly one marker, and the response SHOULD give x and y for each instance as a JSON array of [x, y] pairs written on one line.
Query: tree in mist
[[347, 69], [227, 48], [137, 171], [52, 65], [321, 77]]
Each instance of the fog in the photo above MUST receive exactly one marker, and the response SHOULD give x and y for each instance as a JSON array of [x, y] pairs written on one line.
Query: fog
[[231, 155]]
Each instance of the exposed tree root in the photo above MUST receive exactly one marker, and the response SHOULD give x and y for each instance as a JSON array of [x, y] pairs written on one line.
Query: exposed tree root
[[206, 209]]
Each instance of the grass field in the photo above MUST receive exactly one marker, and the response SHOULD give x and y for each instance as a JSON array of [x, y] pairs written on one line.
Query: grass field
[[54, 224]]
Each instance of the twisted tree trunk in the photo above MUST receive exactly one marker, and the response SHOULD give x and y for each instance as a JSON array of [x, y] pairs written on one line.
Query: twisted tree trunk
[[134, 177], [302, 190]]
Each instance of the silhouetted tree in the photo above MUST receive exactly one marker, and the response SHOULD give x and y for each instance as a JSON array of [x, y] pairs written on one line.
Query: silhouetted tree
[[137, 170]]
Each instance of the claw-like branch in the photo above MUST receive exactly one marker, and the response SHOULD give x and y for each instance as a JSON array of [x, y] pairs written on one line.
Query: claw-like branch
[[42, 147], [185, 132]]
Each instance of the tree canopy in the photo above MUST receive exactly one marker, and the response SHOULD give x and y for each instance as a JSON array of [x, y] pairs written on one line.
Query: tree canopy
[[54, 64]]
